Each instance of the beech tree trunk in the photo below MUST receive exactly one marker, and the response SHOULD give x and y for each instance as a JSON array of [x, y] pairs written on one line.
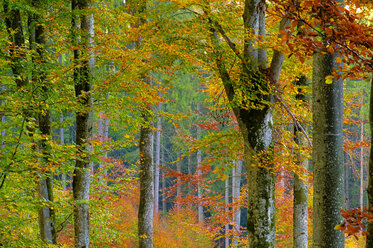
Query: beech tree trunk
[[178, 188], [62, 139], [83, 93], [369, 238], [199, 174], [236, 189], [157, 161], [347, 188], [45, 180], [164, 207], [327, 153], [146, 205], [255, 123], [226, 197], [361, 167], [300, 186]]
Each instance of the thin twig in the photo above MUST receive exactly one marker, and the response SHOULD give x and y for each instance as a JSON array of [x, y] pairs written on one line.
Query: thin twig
[[294, 119]]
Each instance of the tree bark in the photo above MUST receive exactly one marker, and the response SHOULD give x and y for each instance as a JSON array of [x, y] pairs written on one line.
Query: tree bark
[[226, 197], [236, 189], [164, 207], [62, 139], [300, 186], [45, 181], [146, 206], [347, 188], [327, 153], [199, 174], [361, 166], [178, 188], [83, 94], [369, 238], [157, 162], [255, 122]]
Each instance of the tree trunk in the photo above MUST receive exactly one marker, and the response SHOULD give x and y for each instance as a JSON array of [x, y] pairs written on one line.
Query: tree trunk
[[164, 208], [226, 196], [255, 122], [45, 180], [361, 167], [347, 188], [157, 162], [83, 88], [236, 189], [178, 187], [300, 203], [146, 206], [369, 238], [199, 174], [62, 139], [327, 153]]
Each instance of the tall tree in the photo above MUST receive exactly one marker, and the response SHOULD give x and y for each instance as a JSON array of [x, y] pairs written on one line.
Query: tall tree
[[226, 198], [157, 160], [45, 184], [81, 35], [146, 205], [199, 174], [236, 189], [369, 239], [327, 109], [300, 185], [254, 116]]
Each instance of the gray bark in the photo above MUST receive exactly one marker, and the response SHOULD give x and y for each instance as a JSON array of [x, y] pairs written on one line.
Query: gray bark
[[62, 139], [347, 188], [255, 125], [369, 238], [163, 185], [84, 118], [361, 167], [226, 197], [199, 174], [45, 181], [157, 162], [178, 188], [236, 189], [300, 186], [146, 206], [327, 153]]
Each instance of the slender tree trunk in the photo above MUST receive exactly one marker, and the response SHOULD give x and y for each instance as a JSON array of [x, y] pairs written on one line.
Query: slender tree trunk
[[157, 162], [178, 187], [347, 188], [226, 196], [236, 189], [199, 174], [300, 203], [83, 93], [361, 167], [45, 182], [146, 205], [164, 209], [62, 139], [369, 238], [3, 121], [327, 153]]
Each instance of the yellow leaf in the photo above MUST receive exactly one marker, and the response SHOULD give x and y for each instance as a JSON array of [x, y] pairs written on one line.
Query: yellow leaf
[[329, 79], [338, 60]]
